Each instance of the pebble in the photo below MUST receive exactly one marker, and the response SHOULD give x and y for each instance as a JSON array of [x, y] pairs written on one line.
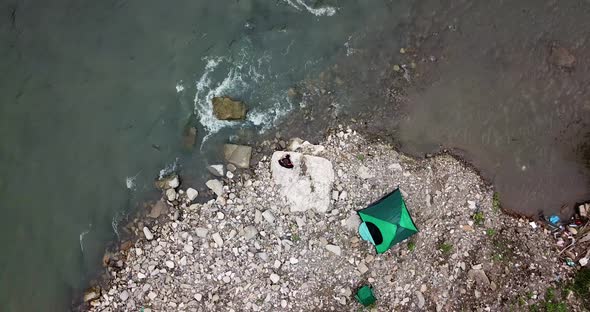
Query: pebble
[[191, 193], [201, 232], [152, 295], [198, 297], [335, 195], [277, 264], [216, 170], [420, 298], [147, 233], [216, 186], [171, 194], [220, 215], [229, 175], [257, 216], [364, 173], [343, 196], [283, 303], [268, 216], [218, 240], [274, 278], [170, 264], [188, 248], [231, 167], [334, 249], [362, 267], [124, 295], [140, 275], [293, 261], [250, 232]]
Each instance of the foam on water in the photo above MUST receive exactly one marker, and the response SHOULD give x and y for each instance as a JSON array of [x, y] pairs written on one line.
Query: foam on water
[[81, 237], [243, 77], [179, 87], [323, 11], [168, 169], [269, 118]]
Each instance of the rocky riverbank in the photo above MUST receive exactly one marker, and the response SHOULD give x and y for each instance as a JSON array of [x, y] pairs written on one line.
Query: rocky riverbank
[[266, 245]]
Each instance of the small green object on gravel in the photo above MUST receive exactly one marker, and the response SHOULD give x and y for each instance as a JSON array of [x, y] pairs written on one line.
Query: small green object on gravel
[[365, 296]]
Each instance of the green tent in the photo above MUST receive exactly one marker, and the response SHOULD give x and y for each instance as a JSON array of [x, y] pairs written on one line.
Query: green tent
[[386, 222]]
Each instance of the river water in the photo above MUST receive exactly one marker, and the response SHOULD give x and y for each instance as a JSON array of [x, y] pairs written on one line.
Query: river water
[[95, 95]]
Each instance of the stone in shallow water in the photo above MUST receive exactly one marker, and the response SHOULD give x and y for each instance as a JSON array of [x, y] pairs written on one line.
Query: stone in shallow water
[[147, 233], [191, 193], [239, 155], [157, 209], [224, 108], [216, 186], [216, 170]]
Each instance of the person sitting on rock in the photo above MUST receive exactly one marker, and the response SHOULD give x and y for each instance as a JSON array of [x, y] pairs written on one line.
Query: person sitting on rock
[[285, 162]]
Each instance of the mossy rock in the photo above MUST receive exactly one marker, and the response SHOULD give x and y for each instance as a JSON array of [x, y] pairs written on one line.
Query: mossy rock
[[224, 108]]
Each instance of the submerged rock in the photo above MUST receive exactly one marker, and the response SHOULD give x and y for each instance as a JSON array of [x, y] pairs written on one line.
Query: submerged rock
[[189, 137], [168, 182], [216, 186], [216, 170], [91, 293], [239, 155], [224, 108], [561, 57], [158, 209], [191, 193]]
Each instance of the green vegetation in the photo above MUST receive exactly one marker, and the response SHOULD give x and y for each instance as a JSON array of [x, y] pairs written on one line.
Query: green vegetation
[[496, 202], [581, 285], [411, 246], [478, 218], [445, 248], [490, 232], [360, 157], [295, 237], [550, 304], [502, 248]]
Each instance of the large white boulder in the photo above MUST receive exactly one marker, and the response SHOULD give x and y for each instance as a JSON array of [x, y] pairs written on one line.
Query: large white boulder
[[308, 184]]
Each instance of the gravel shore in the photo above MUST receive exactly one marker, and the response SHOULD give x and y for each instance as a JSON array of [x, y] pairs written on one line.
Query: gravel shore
[[249, 250]]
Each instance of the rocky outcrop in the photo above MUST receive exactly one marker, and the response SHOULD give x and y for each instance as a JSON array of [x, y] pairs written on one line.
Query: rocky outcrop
[[224, 108], [168, 182], [308, 184], [239, 155]]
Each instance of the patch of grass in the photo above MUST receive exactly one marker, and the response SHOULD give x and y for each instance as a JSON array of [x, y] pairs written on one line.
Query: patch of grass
[[478, 218], [502, 248], [496, 202], [490, 232], [581, 285], [360, 157], [445, 248], [552, 304], [295, 237], [411, 246]]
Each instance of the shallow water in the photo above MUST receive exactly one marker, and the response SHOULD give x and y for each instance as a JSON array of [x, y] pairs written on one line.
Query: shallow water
[[93, 100], [495, 96]]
